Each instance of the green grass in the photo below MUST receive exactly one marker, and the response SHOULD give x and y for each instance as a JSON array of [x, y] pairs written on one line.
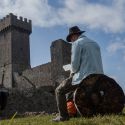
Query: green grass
[[47, 120]]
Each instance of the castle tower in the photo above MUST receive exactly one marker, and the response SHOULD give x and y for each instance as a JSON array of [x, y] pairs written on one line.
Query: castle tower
[[14, 47], [60, 55]]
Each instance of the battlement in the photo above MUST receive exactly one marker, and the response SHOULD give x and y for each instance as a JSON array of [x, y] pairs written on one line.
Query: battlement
[[12, 21]]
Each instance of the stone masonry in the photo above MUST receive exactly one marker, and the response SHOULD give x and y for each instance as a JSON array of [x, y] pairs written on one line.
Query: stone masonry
[[15, 56], [14, 47], [29, 87]]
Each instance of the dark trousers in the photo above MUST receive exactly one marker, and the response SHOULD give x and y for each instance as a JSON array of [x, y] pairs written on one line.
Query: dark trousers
[[66, 87], [61, 91]]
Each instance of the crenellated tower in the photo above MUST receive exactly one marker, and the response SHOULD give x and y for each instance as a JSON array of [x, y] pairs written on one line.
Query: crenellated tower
[[14, 47]]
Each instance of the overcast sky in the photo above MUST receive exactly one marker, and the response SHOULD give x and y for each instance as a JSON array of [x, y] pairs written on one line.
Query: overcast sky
[[103, 20]]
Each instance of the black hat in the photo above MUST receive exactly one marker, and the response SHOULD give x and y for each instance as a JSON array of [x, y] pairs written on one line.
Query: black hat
[[73, 30]]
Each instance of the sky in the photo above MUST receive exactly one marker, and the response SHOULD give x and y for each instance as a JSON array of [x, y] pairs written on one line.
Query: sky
[[103, 21]]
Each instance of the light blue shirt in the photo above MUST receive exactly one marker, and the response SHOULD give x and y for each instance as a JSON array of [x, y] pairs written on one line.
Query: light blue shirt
[[85, 59]]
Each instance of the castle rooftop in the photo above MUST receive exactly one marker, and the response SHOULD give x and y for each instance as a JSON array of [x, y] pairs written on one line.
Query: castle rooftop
[[12, 21]]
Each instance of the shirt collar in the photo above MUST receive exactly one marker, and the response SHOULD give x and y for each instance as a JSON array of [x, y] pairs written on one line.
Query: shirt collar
[[81, 36]]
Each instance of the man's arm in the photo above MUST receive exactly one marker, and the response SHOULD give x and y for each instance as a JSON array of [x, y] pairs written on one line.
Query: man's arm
[[75, 57]]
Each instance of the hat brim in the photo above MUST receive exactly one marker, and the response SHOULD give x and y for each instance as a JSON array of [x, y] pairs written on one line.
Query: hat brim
[[68, 37]]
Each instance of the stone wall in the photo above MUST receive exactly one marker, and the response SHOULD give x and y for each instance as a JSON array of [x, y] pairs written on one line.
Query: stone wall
[[15, 56], [60, 55], [5, 59], [14, 47], [20, 57], [34, 77], [11, 20], [32, 89], [37, 100], [49, 74]]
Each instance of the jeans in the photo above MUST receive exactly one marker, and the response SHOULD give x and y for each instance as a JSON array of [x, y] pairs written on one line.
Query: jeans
[[61, 91]]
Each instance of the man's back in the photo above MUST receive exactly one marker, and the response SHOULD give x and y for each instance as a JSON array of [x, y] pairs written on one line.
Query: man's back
[[86, 59]]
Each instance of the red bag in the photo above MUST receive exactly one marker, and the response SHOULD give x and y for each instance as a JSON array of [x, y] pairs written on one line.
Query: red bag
[[72, 111]]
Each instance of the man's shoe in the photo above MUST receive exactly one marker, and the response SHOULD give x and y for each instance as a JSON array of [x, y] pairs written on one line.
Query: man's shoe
[[59, 119]]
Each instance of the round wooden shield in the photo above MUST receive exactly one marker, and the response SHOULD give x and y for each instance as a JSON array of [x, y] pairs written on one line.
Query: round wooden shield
[[104, 96]]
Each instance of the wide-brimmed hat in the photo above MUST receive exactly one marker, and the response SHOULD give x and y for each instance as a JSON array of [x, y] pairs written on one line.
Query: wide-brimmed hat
[[73, 30]]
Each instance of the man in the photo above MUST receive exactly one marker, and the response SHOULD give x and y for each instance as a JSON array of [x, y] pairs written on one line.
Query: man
[[85, 60]]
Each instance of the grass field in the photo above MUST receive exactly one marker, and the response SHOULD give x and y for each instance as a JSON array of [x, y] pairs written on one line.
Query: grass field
[[46, 120]]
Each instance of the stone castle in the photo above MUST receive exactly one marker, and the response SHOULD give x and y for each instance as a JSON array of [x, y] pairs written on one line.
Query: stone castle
[[30, 89], [15, 69]]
